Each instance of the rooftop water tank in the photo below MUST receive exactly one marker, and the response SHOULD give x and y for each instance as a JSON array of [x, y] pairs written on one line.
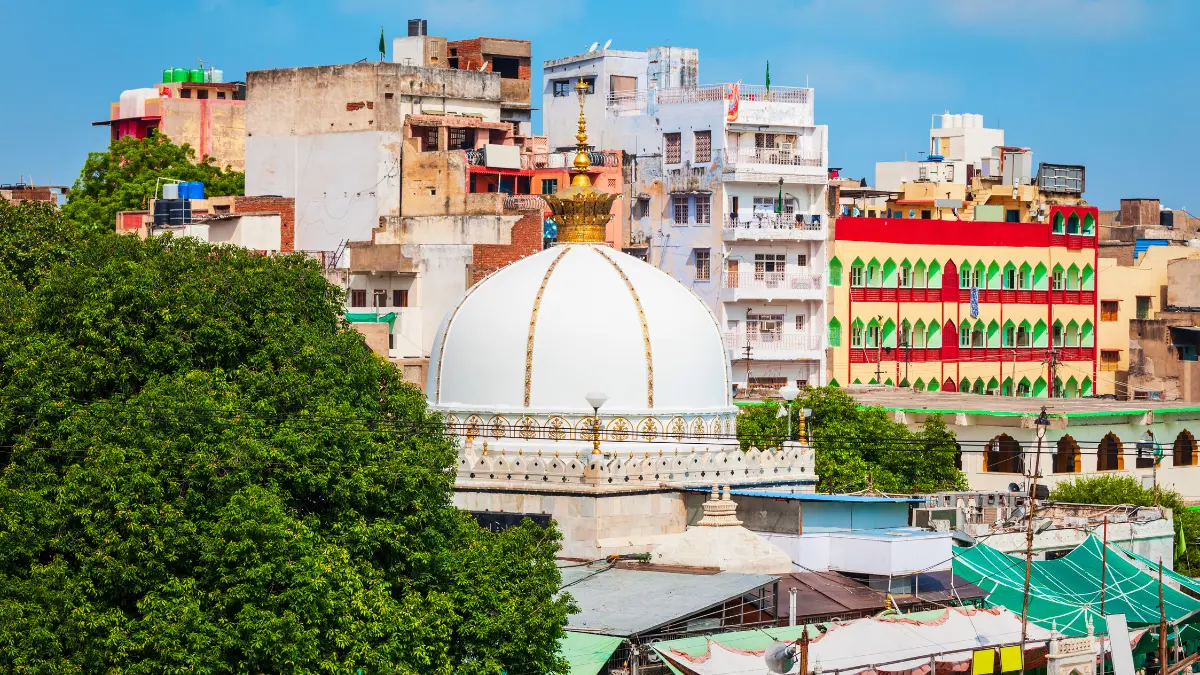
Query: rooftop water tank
[[956, 121], [195, 75], [170, 191], [180, 75], [168, 75], [162, 211], [947, 120], [216, 75]]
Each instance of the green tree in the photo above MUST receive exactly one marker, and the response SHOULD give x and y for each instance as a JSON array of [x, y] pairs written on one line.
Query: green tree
[[124, 177], [857, 445], [1113, 490], [203, 469], [33, 236]]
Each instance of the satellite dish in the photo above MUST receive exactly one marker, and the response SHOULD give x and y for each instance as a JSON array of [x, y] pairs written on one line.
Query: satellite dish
[[1013, 487], [483, 66], [593, 47], [780, 658], [606, 44]]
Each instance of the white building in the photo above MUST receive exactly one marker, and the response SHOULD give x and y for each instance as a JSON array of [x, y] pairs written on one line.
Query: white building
[[956, 142], [727, 194]]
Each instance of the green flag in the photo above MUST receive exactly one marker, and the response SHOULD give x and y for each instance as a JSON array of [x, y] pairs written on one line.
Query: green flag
[[382, 45], [779, 202], [1181, 544], [768, 76]]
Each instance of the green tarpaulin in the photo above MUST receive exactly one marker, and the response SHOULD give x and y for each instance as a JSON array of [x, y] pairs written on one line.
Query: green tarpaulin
[[1170, 575], [371, 317], [1066, 592], [586, 653]]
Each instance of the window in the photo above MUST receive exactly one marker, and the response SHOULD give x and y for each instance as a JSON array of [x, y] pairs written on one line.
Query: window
[[764, 141], [922, 172], [671, 148], [509, 67], [1108, 310], [1057, 335], [856, 275], [835, 334], [379, 298], [641, 207], [591, 84], [201, 93], [185, 93], [562, 87], [702, 146], [856, 335], [1056, 282], [703, 209], [1010, 278], [978, 339], [1143, 307], [733, 324], [1109, 359], [549, 186], [949, 173], [358, 298], [977, 277], [221, 95], [428, 136], [1012, 216], [765, 327], [802, 260], [799, 322], [679, 208], [1010, 336], [702, 263], [1023, 336], [399, 298], [905, 277], [460, 138]]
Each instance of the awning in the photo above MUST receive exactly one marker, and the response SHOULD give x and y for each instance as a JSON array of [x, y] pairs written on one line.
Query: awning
[[371, 317], [586, 653]]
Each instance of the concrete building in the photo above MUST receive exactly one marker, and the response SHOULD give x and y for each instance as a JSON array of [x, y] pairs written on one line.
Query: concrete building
[[16, 193], [1086, 437], [960, 147], [726, 192], [1143, 224], [262, 224], [208, 116]]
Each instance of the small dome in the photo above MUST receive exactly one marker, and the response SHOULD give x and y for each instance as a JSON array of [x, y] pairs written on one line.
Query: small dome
[[541, 333]]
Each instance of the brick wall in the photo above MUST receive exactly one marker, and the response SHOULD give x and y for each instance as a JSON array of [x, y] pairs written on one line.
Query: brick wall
[[1139, 212], [284, 206], [526, 240], [469, 53]]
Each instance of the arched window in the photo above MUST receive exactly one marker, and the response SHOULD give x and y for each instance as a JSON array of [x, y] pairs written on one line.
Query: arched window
[[1060, 223], [1073, 278], [993, 334], [977, 276], [889, 273], [964, 275], [1184, 451], [1039, 277], [1089, 224], [1059, 333], [1006, 388], [993, 275], [835, 332], [934, 275], [979, 387], [906, 334], [1071, 388], [919, 385], [1073, 224], [834, 383], [904, 277], [872, 337], [1039, 333], [858, 275], [964, 334], [1057, 389], [1009, 279], [949, 385], [1085, 387], [1109, 454], [1039, 388], [919, 275], [1066, 456], [1024, 335], [1087, 279], [835, 271], [1024, 277], [964, 386], [1058, 278], [1003, 455], [1023, 387], [1086, 334], [1072, 335], [874, 274], [993, 387], [856, 333], [933, 335], [889, 333], [1010, 334], [978, 335], [933, 384], [918, 335]]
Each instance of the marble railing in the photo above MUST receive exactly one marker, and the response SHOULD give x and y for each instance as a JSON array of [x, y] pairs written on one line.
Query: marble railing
[[700, 466]]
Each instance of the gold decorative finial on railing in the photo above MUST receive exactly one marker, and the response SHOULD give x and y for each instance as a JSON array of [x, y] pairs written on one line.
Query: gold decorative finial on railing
[[580, 210]]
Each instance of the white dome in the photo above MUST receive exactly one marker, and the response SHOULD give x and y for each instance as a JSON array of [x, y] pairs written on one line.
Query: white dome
[[543, 332]]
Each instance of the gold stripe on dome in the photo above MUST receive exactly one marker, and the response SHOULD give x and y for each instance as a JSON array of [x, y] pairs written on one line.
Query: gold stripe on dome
[[437, 390], [537, 303], [645, 329]]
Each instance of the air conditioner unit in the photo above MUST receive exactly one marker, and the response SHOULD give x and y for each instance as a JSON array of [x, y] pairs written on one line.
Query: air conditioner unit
[[786, 147]]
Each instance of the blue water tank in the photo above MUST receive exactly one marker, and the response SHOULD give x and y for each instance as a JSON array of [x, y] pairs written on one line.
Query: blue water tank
[[197, 190]]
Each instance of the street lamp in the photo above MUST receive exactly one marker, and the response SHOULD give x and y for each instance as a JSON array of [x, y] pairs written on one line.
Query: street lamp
[[596, 399], [789, 392], [1042, 422]]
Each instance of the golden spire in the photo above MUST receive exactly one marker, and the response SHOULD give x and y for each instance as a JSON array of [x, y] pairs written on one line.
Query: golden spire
[[580, 210]]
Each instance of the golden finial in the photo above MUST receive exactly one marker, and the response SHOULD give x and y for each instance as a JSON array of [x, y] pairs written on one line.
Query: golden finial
[[485, 448], [582, 161]]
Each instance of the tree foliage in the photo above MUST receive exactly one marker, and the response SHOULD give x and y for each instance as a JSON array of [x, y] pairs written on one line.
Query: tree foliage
[[856, 445], [33, 237], [123, 178], [1126, 489], [204, 470]]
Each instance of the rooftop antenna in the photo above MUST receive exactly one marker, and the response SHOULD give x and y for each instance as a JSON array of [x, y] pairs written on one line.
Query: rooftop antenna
[[606, 44]]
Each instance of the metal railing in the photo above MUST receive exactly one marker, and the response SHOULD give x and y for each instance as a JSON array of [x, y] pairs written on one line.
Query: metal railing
[[751, 279], [524, 203], [768, 342], [626, 101], [746, 92], [775, 156], [766, 220], [552, 160]]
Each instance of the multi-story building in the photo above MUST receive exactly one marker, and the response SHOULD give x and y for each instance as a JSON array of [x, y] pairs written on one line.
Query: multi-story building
[[726, 192], [1004, 308], [959, 146], [208, 116]]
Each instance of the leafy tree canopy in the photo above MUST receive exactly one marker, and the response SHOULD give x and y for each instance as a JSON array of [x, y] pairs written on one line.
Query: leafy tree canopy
[[204, 470], [1115, 490], [124, 177], [856, 445]]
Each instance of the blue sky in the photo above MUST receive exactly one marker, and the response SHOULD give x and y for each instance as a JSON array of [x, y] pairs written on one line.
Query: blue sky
[[1107, 83]]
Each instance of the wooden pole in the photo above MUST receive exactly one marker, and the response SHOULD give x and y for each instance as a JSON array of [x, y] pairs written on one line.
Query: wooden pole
[[1037, 464], [1104, 566], [804, 650], [1162, 623]]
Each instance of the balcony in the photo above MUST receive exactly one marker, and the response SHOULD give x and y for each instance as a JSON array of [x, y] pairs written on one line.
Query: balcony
[[770, 164], [775, 346], [766, 226], [524, 203], [751, 285], [746, 92], [564, 160], [625, 103]]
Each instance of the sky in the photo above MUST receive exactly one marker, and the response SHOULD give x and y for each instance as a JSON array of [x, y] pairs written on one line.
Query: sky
[[1111, 84]]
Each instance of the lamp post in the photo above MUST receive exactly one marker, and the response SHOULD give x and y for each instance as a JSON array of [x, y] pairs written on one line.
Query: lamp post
[[1149, 447], [1042, 422], [596, 399], [789, 393]]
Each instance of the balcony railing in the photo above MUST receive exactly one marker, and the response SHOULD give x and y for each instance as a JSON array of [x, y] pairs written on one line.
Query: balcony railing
[[626, 102], [765, 343], [552, 160], [784, 223], [753, 280], [746, 92], [524, 203], [775, 156]]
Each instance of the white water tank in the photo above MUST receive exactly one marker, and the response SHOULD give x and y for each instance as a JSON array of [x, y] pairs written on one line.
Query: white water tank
[[947, 120], [957, 121], [170, 191], [968, 121], [216, 75], [133, 101]]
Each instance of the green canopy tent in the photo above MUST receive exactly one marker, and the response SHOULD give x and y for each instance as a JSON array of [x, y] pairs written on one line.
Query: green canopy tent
[[372, 317], [1151, 566], [586, 653]]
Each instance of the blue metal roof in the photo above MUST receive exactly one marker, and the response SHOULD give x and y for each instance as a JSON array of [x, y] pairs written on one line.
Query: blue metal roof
[[815, 497]]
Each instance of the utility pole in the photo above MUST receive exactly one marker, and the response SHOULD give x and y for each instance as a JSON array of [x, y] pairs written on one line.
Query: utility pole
[[1052, 364], [1041, 423], [879, 349]]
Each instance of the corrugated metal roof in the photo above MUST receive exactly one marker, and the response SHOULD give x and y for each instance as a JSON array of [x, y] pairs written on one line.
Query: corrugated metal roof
[[624, 602], [815, 497]]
